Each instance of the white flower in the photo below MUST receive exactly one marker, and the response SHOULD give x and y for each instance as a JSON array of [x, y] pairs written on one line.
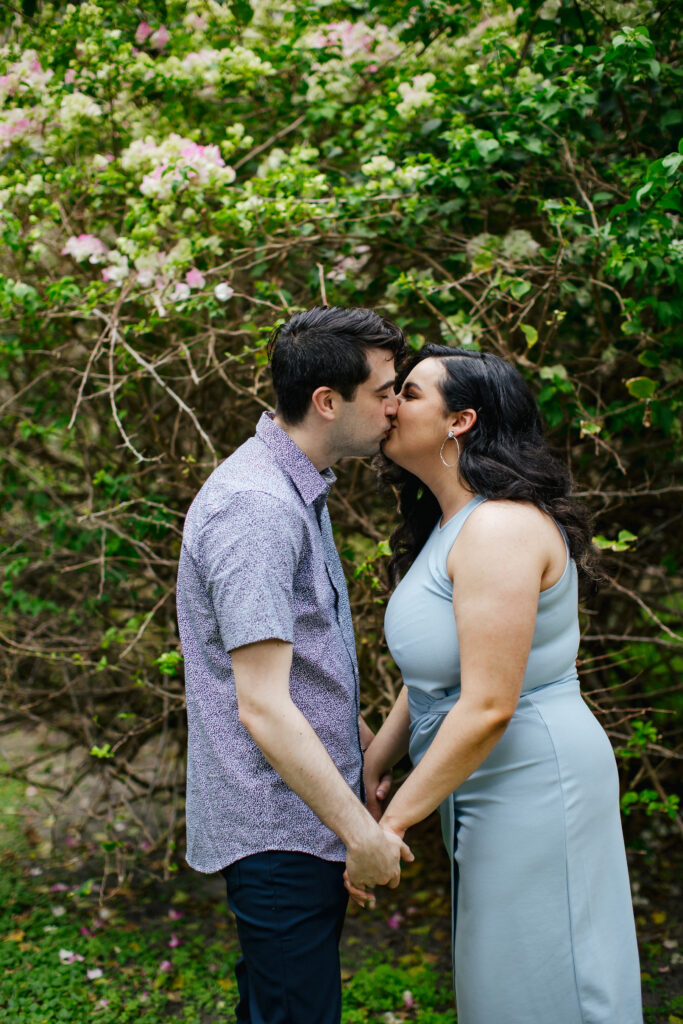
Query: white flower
[[76, 107], [149, 266], [180, 292], [519, 244], [409, 176], [415, 94], [174, 164], [94, 973], [118, 268], [377, 166], [67, 957], [271, 163], [549, 9], [223, 291]]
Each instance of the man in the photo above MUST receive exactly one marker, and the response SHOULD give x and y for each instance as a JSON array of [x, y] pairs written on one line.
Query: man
[[274, 763]]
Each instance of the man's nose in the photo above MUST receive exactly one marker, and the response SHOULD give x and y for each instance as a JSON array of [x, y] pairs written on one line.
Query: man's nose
[[391, 406]]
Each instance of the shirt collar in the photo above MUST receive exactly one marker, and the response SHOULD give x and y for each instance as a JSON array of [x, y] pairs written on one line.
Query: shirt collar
[[308, 481]]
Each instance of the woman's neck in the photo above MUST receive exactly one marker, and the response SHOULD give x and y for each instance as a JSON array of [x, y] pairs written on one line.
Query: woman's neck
[[450, 492]]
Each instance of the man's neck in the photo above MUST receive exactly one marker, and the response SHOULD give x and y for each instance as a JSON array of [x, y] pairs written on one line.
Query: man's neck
[[304, 439]]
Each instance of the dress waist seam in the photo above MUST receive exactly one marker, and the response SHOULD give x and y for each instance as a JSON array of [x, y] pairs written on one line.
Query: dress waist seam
[[421, 705]]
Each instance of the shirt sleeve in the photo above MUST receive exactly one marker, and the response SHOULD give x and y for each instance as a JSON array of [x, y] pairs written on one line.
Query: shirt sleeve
[[249, 553]]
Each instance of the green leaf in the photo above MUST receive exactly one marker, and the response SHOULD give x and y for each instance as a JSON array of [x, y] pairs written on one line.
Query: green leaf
[[518, 288], [530, 333], [623, 542], [103, 751], [672, 162], [641, 387], [649, 358], [643, 191]]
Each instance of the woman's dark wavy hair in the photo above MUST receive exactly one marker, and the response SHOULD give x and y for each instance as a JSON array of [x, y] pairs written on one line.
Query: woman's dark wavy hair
[[503, 455]]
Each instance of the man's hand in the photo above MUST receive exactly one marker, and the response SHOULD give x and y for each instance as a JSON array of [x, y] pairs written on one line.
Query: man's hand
[[377, 787], [375, 860]]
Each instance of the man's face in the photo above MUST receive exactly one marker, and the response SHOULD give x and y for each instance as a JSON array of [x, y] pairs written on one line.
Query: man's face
[[362, 423]]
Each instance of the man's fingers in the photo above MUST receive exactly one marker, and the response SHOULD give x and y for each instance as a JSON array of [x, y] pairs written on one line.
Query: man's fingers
[[384, 786], [394, 880], [374, 808]]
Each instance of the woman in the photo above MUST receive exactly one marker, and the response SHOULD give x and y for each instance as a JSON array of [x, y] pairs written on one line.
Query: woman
[[484, 628]]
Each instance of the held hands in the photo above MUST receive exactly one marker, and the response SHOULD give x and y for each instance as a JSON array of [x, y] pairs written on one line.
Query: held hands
[[376, 861]]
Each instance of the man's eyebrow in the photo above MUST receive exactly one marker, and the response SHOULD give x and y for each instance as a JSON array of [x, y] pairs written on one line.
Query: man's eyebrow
[[383, 387]]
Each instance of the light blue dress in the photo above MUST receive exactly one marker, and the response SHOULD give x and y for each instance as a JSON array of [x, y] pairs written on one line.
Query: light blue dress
[[543, 921]]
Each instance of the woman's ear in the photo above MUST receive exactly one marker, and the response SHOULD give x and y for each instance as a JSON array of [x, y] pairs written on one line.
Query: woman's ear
[[462, 421]]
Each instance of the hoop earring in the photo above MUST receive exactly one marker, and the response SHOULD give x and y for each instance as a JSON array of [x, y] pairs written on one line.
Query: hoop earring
[[450, 437]]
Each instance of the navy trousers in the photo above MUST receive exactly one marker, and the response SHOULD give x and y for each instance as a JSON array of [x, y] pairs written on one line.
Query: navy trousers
[[290, 910]]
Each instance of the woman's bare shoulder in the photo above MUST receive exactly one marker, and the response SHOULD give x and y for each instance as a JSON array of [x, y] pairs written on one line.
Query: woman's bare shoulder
[[503, 514]]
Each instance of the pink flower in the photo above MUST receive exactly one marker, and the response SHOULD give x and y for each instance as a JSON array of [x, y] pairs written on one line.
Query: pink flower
[[408, 1000], [175, 941], [165, 966], [94, 973], [395, 921], [86, 931], [195, 279], [174, 914], [102, 1004], [143, 30], [70, 76], [83, 247], [197, 22], [159, 38], [59, 887]]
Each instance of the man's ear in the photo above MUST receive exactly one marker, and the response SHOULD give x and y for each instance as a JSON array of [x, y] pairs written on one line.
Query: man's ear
[[325, 401], [463, 421]]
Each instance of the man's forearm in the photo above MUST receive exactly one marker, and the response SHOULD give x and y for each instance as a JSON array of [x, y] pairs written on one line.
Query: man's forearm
[[292, 747]]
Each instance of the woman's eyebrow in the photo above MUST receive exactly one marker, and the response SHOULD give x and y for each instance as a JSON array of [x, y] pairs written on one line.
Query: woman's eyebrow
[[411, 384]]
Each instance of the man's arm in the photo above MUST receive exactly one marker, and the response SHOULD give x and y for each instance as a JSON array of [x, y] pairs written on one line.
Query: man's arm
[[291, 745]]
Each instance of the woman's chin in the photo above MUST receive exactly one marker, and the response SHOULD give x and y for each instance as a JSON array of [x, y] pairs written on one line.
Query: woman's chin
[[391, 450]]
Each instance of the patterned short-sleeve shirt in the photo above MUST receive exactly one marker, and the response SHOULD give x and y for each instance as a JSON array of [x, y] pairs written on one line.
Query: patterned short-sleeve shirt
[[258, 562]]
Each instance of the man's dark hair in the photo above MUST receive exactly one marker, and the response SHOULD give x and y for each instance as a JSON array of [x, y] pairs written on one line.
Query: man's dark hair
[[325, 347]]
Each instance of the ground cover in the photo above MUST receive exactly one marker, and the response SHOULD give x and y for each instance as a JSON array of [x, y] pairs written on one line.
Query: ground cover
[[154, 951]]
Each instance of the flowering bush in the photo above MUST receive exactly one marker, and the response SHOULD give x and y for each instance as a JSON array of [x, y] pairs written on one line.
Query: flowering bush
[[169, 190]]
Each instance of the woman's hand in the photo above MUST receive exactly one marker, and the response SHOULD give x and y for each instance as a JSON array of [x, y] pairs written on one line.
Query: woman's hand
[[391, 825], [362, 897]]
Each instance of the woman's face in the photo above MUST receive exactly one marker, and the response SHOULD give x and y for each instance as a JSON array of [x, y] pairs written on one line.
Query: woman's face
[[421, 422]]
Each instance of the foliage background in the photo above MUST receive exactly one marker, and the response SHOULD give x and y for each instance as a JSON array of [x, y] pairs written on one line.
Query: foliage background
[[175, 179]]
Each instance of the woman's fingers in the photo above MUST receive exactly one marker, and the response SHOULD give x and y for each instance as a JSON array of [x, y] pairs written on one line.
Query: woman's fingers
[[363, 897]]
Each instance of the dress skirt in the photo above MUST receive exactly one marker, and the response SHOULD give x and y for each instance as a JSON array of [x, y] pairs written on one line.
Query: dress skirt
[[543, 920]]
